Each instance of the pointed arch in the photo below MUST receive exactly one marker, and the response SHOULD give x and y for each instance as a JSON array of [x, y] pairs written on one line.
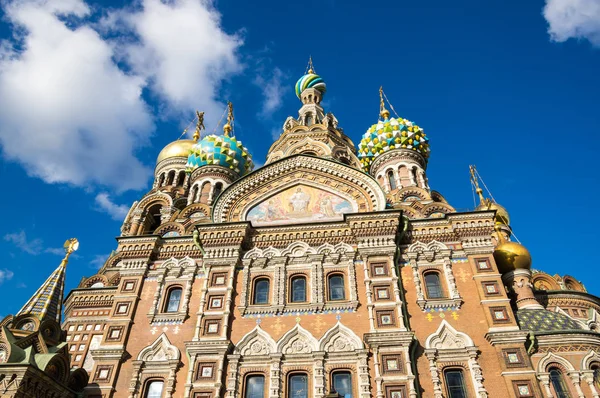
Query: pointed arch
[[590, 358], [551, 358], [256, 342], [446, 337], [160, 350], [297, 341], [339, 339]]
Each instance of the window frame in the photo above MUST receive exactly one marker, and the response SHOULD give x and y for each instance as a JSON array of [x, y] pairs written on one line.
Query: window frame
[[167, 301], [335, 372], [330, 276], [561, 380], [289, 384], [443, 295], [292, 279], [255, 282], [247, 377], [148, 383], [461, 371]]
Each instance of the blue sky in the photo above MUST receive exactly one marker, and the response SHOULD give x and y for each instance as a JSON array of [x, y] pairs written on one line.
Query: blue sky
[[91, 91]]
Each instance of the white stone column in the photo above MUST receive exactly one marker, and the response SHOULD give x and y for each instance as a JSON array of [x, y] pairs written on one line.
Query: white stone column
[[275, 378], [544, 379], [435, 374], [450, 278], [588, 376], [576, 380]]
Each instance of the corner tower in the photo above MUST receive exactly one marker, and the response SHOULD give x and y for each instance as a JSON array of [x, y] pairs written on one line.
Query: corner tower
[[314, 132]]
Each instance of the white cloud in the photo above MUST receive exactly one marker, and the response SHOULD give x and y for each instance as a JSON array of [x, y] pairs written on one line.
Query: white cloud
[[573, 19], [98, 261], [33, 246], [68, 114], [183, 52], [105, 204], [273, 91], [71, 105], [5, 275]]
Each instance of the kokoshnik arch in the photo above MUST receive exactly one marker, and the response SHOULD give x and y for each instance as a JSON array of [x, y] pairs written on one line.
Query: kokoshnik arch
[[334, 270]]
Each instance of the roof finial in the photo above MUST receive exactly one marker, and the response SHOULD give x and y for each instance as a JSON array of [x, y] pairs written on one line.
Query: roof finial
[[475, 182], [229, 125], [199, 125], [385, 114], [311, 67]]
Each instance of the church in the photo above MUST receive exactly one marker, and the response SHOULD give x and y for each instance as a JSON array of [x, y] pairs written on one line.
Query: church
[[333, 270]]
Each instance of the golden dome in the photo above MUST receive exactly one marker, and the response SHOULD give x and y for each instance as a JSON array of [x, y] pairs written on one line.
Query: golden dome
[[502, 216], [179, 148], [510, 256]]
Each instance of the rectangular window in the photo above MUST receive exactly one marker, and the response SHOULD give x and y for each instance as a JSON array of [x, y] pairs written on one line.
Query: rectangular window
[[483, 264], [218, 279], [523, 389], [499, 314], [129, 286], [382, 293], [215, 302], [385, 318], [205, 371], [395, 392], [392, 363], [491, 288], [379, 269], [211, 326]]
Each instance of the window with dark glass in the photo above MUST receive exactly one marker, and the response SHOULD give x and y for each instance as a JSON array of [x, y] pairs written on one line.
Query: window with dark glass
[[342, 384], [455, 383], [154, 389], [255, 386], [336, 287], [173, 300], [298, 386], [558, 383], [391, 180], [433, 285], [261, 291], [596, 369], [298, 289]]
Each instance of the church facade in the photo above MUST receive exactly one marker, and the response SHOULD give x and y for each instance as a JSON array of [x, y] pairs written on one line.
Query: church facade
[[334, 270]]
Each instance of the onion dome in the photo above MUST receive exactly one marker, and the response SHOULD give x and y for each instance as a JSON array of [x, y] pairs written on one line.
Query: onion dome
[[220, 150], [388, 134], [502, 217], [179, 148], [511, 256], [310, 80]]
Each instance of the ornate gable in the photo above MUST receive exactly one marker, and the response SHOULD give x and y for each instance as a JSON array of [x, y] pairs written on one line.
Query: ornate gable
[[299, 189]]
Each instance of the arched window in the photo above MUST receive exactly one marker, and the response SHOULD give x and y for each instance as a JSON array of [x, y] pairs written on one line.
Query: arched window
[[173, 300], [433, 285], [180, 178], [154, 389], [455, 383], [255, 386], [342, 384], [403, 173], [218, 189], [298, 289], [415, 176], [261, 291], [558, 384], [161, 180], [336, 287], [298, 386], [391, 180], [170, 177], [153, 218], [205, 192], [596, 368]]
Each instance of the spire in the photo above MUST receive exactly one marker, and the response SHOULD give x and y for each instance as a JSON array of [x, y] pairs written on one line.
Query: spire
[[385, 114], [46, 303], [310, 69], [228, 127], [199, 125], [475, 181]]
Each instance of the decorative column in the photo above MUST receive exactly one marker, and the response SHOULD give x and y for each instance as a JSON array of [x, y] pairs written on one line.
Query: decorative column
[[576, 380], [415, 267], [395, 271], [135, 381], [476, 373], [319, 374], [232, 375], [435, 374], [544, 378], [450, 277], [275, 379], [588, 376], [378, 378], [397, 179], [369, 299], [364, 387], [171, 378]]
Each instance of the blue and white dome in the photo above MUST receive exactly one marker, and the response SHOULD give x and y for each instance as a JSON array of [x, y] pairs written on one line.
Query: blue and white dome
[[220, 150]]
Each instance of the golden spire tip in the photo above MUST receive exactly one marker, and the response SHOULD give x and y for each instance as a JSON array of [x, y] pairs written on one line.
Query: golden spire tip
[[382, 111], [228, 127], [199, 125]]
